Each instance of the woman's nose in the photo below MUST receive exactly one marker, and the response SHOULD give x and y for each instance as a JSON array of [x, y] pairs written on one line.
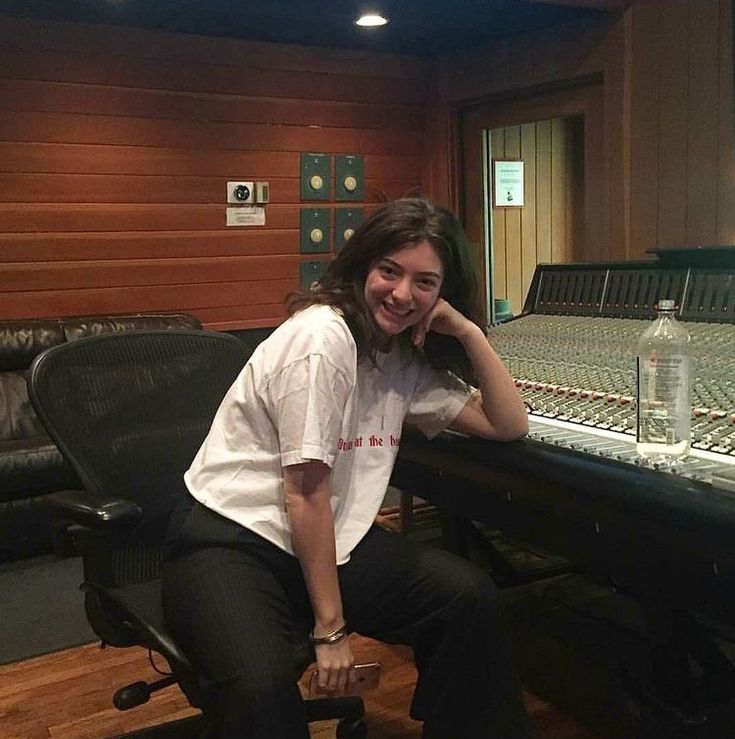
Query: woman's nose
[[402, 291]]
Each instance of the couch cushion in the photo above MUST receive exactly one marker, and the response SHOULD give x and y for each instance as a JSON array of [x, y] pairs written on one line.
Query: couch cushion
[[18, 420], [21, 341], [78, 328], [31, 467]]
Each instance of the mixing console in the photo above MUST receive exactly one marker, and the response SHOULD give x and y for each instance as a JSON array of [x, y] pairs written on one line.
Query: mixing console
[[577, 374], [576, 487]]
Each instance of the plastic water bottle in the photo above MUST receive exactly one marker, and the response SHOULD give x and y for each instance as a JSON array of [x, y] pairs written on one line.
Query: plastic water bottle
[[664, 404]]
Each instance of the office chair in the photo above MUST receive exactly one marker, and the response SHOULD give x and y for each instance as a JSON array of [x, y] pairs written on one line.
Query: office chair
[[129, 411]]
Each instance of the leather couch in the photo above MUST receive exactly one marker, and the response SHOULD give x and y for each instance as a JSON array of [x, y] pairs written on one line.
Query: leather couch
[[30, 464]]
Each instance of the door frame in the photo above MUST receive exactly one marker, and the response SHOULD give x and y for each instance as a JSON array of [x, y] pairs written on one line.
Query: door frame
[[583, 98]]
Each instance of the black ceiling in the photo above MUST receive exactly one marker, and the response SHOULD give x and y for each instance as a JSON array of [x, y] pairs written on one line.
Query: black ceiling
[[423, 27]]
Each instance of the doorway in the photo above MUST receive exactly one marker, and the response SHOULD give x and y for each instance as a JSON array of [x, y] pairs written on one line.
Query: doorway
[[548, 227], [558, 137]]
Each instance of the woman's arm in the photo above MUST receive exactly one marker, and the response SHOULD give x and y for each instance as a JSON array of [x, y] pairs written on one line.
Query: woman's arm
[[306, 489], [498, 412]]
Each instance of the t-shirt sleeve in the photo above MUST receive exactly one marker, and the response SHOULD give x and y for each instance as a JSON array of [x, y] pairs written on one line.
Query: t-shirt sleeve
[[309, 398], [437, 400]]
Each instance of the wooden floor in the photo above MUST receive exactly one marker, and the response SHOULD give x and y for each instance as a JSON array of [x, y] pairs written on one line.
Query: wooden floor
[[67, 695]]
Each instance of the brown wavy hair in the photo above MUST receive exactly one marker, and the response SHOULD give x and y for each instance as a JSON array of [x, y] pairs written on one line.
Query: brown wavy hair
[[398, 224]]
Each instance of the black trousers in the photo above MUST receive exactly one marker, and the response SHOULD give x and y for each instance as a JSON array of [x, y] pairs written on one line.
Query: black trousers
[[235, 603]]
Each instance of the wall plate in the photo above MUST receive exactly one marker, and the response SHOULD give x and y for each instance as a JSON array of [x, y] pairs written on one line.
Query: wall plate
[[315, 177], [242, 193], [349, 177], [262, 192], [346, 220], [310, 272], [316, 235]]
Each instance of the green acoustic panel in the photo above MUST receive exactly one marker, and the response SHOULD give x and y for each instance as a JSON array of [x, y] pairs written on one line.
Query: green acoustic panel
[[315, 232], [346, 220], [311, 272], [315, 177], [349, 173]]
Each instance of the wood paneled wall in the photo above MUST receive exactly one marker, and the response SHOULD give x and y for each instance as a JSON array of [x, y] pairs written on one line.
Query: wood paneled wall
[[116, 144], [527, 73], [682, 124], [666, 161], [548, 226]]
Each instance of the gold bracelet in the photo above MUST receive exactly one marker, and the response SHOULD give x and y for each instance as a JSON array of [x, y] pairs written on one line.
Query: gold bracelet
[[332, 638]]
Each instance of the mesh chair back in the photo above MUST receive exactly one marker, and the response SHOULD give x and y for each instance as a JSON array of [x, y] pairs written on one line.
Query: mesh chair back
[[130, 410]]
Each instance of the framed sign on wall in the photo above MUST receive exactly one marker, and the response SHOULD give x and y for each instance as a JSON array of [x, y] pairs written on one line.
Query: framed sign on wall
[[508, 183]]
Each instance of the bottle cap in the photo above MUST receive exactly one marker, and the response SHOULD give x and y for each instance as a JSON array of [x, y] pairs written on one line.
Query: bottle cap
[[665, 304]]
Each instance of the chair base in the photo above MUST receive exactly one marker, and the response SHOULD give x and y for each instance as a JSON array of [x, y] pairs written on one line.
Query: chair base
[[192, 727]]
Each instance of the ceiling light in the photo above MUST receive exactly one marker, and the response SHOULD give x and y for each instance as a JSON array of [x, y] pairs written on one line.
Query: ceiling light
[[371, 20]]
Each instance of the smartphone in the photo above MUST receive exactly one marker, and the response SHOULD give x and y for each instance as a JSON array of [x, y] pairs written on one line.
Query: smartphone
[[367, 677]]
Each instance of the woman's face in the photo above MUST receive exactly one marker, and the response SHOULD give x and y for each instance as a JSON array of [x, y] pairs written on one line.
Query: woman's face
[[402, 287]]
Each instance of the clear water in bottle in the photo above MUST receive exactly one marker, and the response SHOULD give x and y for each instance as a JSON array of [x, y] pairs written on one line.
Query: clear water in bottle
[[664, 404]]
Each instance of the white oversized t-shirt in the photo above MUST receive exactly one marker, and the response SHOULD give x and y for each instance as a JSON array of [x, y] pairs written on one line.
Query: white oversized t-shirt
[[304, 396]]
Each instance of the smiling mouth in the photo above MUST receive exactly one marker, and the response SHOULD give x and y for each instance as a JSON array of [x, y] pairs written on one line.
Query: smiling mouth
[[395, 312]]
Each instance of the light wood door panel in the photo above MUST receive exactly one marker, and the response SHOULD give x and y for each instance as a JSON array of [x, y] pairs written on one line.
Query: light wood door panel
[[561, 219]]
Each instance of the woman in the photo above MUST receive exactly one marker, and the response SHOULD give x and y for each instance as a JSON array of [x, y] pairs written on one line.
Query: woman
[[293, 472]]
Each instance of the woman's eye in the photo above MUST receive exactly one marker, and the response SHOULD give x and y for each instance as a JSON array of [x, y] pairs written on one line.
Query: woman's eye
[[387, 270]]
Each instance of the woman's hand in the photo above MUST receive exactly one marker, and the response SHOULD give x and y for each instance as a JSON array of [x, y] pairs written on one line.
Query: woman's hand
[[306, 488], [498, 412], [336, 666], [442, 318]]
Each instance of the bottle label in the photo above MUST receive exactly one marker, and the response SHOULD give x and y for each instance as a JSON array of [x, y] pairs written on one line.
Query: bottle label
[[664, 411]]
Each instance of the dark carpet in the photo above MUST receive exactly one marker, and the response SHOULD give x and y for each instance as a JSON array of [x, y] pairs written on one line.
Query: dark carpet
[[41, 607]]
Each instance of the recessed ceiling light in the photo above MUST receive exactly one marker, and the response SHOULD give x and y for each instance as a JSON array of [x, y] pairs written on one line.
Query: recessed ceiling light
[[371, 20]]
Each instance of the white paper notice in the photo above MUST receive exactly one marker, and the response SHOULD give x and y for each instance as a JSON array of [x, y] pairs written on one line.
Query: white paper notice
[[508, 178], [246, 215]]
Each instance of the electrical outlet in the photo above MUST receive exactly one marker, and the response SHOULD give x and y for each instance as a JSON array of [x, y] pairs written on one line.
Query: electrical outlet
[[310, 272], [315, 231], [315, 177], [241, 192], [349, 173], [346, 220]]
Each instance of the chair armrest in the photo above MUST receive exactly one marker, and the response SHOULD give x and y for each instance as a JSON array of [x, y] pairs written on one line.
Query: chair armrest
[[95, 512]]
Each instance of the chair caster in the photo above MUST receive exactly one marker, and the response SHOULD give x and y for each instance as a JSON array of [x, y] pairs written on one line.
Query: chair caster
[[347, 729], [131, 696], [136, 694]]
